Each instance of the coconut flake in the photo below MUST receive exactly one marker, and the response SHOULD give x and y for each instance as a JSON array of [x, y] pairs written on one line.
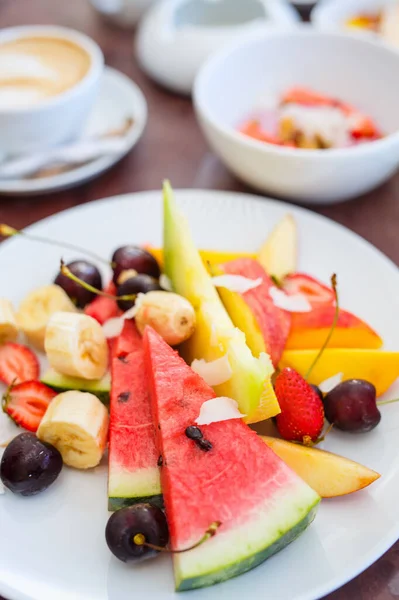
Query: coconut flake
[[215, 372], [295, 303], [217, 410], [114, 327], [165, 283], [236, 283], [329, 384]]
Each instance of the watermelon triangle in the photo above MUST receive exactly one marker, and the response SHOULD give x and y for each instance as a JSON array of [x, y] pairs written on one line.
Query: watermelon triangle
[[260, 502], [133, 471]]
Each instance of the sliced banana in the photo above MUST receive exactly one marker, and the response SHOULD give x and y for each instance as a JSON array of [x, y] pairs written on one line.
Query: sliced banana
[[36, 309], [76, 423], [8, 323], [75, 345]]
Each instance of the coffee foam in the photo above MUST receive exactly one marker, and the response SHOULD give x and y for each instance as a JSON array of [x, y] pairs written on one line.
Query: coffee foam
[[23, 66], [33, 69]]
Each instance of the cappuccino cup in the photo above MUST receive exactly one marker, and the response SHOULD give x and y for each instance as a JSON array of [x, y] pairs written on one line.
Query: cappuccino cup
[[49, 80]]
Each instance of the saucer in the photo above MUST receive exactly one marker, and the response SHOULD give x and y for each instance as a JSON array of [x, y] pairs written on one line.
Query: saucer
[[119, 101]]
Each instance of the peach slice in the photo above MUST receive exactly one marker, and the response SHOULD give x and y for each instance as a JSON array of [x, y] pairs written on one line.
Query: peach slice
[[329, 474], [266, 326], [379, 367], [208, 256], [310, 330]]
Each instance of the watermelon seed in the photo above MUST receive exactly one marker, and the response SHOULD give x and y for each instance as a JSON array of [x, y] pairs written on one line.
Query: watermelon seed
[[193, 433], [139, 540], [122, 358], [124, 397], [160, 461], [204, 445]]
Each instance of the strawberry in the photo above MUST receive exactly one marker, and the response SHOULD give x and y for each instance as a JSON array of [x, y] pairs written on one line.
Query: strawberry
[[302, 411], [17, 364], [27, 402]]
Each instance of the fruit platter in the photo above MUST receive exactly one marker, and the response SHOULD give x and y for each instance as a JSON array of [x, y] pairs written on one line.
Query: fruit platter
[[186, 408]]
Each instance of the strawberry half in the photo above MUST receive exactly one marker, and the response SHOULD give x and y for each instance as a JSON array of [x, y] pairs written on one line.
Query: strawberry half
[[302, 411], [17, 364], [27, 402], [316, 292]]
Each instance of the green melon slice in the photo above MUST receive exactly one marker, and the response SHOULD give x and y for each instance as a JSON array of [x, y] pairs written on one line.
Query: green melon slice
[[62, 383], [215, 334], [261, 503], [133, 470]]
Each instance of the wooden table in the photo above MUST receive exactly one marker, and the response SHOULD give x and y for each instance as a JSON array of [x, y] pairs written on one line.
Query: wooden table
[[173, 147]]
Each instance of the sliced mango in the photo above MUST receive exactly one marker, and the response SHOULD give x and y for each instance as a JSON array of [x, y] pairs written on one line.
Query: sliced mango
[[310, 330], [379, 367]]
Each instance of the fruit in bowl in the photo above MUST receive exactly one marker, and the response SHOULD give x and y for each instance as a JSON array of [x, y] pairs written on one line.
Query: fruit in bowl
[[347, 168], [306, 119]]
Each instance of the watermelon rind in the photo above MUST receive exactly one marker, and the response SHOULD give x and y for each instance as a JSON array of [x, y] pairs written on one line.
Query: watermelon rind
[[126, 488], [247, 546]]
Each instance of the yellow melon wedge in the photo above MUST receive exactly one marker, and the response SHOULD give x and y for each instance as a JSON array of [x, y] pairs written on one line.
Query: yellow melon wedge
[[328, 474], [379, 367]]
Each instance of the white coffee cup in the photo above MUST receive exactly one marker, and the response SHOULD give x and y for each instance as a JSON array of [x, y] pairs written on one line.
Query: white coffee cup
[[58, 118]]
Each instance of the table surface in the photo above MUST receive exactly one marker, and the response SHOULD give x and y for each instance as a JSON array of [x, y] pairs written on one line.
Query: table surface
[[173, 147]]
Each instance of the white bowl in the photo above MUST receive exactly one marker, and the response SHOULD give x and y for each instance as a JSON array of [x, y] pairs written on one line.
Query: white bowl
[[330, 15], [356, 70], [175, 37], [57, 119]]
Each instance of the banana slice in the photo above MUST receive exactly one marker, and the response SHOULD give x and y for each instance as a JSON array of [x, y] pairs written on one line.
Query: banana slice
[[8, 323], [36, 309], [76, 423], [75, 345]]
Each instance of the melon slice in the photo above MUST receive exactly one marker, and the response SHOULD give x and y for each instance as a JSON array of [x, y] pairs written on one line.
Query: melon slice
[[215, 335], [261, 503], [133, 470]]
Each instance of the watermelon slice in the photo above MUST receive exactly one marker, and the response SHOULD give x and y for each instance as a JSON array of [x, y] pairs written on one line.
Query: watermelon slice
[[133, 470], [260, 502], [102, 308]]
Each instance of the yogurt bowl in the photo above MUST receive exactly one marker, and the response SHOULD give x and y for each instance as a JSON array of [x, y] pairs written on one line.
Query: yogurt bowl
[[356, 70], [49, 78]]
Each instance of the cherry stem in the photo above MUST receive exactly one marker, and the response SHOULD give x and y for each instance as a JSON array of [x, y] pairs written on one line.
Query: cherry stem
[[383, 402], [334, 323], [7, 231], [140, 540], [68, 273]]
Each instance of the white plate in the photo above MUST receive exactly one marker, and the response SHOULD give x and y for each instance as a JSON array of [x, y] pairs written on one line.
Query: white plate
[[119, 99], [52, 546]]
